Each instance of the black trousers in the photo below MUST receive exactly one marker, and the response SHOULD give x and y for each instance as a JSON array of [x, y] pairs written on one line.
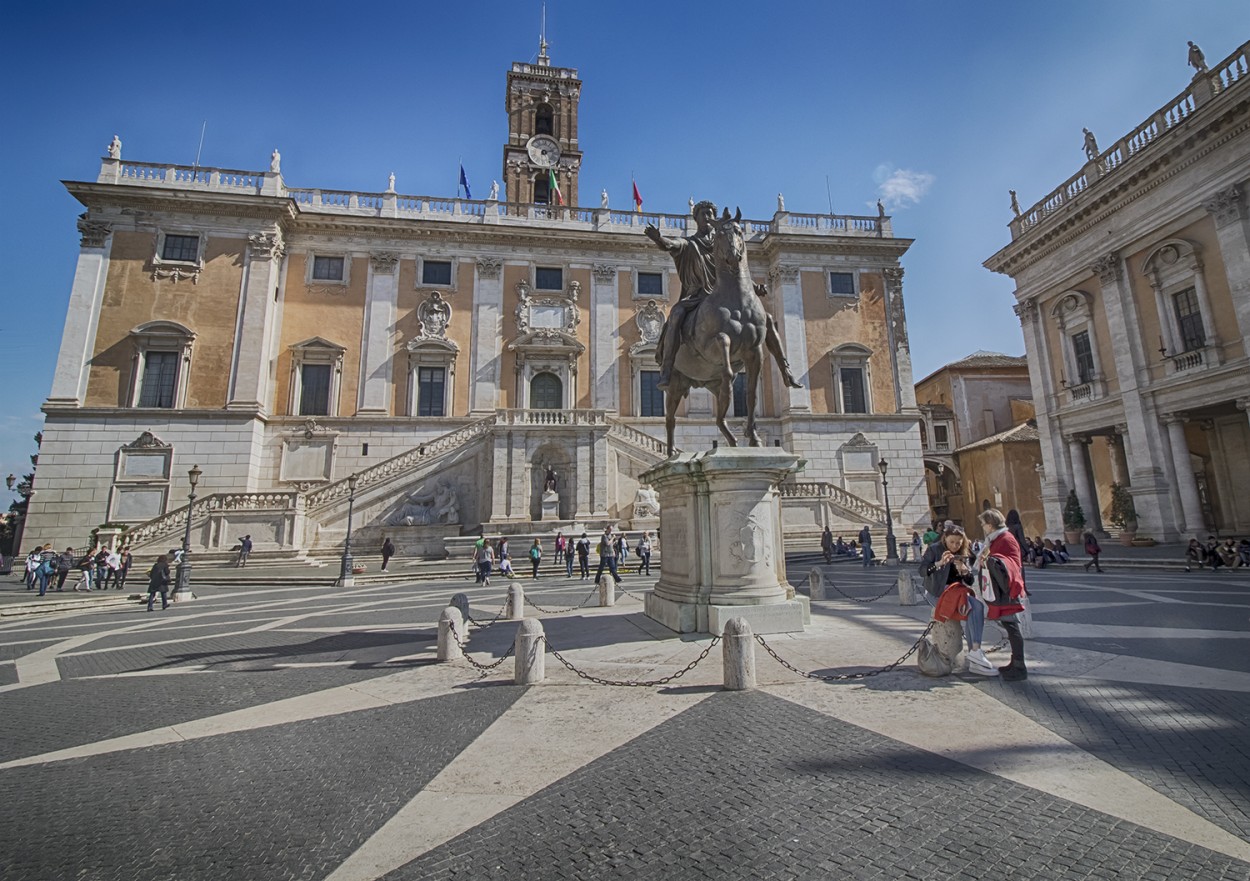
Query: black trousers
[[1017, 642]]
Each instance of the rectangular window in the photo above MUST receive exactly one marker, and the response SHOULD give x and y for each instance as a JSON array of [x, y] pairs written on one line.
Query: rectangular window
[[431, 390], [740, 395], [314, 393], [651, 396], [183, 248], [1189, 320], [327, 269], [651, 284], [842, 284], [436, 272], [854, 395], [1084, 356], [160, 377], [549, 278], [941, 437]]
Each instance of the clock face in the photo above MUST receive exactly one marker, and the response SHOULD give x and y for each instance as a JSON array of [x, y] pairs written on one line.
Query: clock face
[[544, 151]]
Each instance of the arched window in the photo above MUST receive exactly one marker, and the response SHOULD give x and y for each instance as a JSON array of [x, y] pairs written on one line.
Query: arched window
[[546, 392], [160, 367], [544, 120], [542, 188]]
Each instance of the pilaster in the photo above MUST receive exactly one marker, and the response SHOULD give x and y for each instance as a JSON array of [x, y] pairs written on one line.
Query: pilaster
[[381, 296], [792, 332], [1229, 211], [1054, 476], [487, 338], [69, 383], [896, 322], [249, 367], [605, 381]]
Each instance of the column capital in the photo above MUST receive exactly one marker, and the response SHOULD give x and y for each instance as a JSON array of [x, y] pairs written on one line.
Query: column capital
[[93, 232], [605, 273], [1227, 206], [1121, 429], [1177, 418], [1077, 437], [1109, 268], [489, 267], [1026, 310], [266, 245], [383, 261], [783, 274], [1243, 404]]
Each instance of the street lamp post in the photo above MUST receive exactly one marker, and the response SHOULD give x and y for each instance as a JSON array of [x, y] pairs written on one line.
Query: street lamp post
[[891, 545], [345, 573], [182, 587]]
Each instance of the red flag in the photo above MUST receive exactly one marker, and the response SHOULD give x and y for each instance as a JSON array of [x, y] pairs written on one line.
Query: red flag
[[637, 197]]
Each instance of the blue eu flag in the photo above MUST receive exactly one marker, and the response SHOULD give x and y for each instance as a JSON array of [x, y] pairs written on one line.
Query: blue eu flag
[[464, 182]]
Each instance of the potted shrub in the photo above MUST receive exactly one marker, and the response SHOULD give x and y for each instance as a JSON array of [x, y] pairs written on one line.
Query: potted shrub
[[1123, 514], [1073, 519]]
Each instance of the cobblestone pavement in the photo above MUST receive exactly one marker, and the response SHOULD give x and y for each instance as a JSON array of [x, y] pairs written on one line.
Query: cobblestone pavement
[[283, 732]]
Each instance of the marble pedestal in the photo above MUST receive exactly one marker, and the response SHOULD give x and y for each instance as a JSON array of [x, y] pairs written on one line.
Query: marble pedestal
[[551, 505], [720, 535]]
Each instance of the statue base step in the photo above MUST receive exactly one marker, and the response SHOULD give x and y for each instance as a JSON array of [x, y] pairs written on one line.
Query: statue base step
[[788, 616], [551, 505]]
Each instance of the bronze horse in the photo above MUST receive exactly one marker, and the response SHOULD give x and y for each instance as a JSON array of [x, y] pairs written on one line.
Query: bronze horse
[[729, 327]]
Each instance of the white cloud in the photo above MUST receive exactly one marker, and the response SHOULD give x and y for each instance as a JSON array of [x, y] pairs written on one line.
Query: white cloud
[[901, 187]]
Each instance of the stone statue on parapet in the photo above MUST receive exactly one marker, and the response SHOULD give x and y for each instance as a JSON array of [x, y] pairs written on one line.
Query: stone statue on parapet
[[1015, 206], [275, 161], [494, 192], [696, 268], [390, 183], [718, 327], [115, 148], [1091, 145], [1197, 60], [603, 198]]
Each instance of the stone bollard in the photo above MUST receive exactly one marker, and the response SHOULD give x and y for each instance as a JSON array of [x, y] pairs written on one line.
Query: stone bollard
[[516, 602], [450, 628], [738, 655], [461, 602], [607, 590], [906, 588], [816, 584], [530, 650]]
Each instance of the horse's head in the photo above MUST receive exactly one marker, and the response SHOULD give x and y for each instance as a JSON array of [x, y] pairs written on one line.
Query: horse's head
[[730, 244]]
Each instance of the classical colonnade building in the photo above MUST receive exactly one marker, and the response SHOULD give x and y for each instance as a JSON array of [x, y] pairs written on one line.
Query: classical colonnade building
[[284, 339]]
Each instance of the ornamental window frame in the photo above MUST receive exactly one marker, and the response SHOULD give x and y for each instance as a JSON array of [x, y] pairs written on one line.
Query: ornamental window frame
[[315, 350], [851, 356], [559, 267], [842, 270], [435, 258], [1172, 267], [164, 337], [436, 353], [636, 274], [1073, 313], [311, 262]]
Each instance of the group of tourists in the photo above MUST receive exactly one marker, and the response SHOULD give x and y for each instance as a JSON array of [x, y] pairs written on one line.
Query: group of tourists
[[100, 568], [1228, 554], [613, 550], [973, 585]]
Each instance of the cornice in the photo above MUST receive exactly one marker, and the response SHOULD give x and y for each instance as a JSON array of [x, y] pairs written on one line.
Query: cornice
[[97, 197]]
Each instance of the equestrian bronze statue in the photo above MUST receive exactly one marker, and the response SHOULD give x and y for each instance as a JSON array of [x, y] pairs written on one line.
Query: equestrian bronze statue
[[718, 327]]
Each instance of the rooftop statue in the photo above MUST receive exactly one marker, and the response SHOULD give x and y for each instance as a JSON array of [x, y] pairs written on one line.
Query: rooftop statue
[[115, 148], [1091, 145], [1197, 60], [718, 327]]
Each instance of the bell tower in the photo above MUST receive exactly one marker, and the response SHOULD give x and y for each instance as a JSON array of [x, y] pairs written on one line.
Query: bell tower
[[541, 101]]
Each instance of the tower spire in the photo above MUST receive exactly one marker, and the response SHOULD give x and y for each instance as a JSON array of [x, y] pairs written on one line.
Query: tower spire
[[543, 58]]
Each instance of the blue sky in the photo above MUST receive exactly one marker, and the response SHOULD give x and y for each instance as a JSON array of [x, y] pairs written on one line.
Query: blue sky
[[942, 107]]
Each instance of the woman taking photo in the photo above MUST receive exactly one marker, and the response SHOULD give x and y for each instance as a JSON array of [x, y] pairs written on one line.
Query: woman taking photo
[[946, 564]]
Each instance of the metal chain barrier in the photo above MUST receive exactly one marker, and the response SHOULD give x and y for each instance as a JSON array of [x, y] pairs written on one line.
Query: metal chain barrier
[[484, 624], [891, 589], [844, 677], [483, 669], [630, 593], [583, 603], [633, 683]]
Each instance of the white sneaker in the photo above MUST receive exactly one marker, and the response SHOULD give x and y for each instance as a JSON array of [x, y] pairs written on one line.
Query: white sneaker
[[980, 665]]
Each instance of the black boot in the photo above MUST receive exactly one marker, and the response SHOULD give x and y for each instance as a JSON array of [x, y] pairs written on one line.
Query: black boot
[[1016, 670]]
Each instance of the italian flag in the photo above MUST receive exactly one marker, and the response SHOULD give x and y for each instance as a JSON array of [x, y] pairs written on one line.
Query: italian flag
[[555, 187]]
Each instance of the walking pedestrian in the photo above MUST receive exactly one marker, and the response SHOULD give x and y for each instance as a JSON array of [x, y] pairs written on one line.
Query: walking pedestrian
[[583, 557], [644, 554], [1003, 587], [1092, 550], [158, 582], [85, 567], [826, 545], [64, 563], [865, 543], [568, 557], [484, 557], [124, 560], [561, 547], [607, 555], [245, 550], [388, 551], [1016, 528], [536, 556]]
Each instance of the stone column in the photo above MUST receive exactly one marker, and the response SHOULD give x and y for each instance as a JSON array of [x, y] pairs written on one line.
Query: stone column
[[1081, 482], [1118, 456], [1043, 386], [790, 327], [1229, 211], [381, 295], [1243, 404], [249, 367], [900, 349], [1209, 332], [1186, 484], [487, 341], [69, 383], [605, 381]]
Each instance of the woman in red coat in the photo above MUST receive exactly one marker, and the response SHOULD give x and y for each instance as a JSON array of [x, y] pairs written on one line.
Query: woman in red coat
[[1001, 562]]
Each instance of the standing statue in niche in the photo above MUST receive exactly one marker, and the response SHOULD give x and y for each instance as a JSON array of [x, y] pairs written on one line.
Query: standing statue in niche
[[1091, 145], [115, 148], [696, 267], [551, 483], [1197, 60]]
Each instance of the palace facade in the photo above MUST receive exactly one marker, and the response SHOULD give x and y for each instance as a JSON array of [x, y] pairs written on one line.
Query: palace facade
[[432, 359], [1133, 289]]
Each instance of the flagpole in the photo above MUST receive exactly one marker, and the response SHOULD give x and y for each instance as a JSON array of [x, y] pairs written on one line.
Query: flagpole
[[459, 165]]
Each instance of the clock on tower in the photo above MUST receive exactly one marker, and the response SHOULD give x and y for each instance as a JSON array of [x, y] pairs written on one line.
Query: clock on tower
[[542, 103]]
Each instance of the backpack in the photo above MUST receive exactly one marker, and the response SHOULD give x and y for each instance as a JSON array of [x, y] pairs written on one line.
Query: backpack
[[535, 554], [47, 567]]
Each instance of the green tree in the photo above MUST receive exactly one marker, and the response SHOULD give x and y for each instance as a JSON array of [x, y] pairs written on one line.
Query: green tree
[[1073, 516]]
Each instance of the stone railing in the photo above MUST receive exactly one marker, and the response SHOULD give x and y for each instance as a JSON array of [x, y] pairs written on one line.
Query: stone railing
[[1082, 392], [835, 495], [1187, 361], [183, 177], [638, 439], [415, 458], [175, 521], [551, 417], [1228, 73]]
